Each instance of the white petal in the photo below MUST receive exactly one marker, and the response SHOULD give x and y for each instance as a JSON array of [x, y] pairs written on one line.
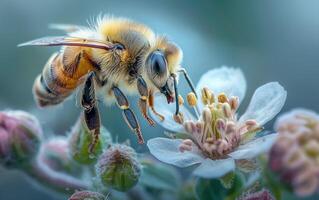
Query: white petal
[[266, 103], [168, 111], [167, 151], [231, 81], [215, 168], [254, 148]]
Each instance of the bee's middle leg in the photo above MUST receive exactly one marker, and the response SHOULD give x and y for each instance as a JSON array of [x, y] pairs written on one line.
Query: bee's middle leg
[[143, 101], [91, 111], [128, 114]]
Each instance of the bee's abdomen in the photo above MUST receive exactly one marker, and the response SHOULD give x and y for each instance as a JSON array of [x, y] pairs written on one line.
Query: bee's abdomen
[[57, 81]]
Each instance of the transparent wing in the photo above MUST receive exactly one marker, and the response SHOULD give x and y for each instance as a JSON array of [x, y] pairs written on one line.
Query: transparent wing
[[70, 41], [68, 28]]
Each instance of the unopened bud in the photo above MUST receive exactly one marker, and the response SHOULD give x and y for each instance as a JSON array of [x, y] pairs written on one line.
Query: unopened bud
[[20, 138], [222, 98], [81, 139], [87, 195], [55, 154], [118, 167], [207, 96], [191, 99]]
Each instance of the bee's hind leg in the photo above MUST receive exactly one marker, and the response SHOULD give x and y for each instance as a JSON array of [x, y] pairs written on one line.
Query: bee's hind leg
[[91, 111], [128, 114], [143, 101]]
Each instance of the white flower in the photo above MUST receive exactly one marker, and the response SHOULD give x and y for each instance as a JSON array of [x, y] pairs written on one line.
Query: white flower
[[217, 136]]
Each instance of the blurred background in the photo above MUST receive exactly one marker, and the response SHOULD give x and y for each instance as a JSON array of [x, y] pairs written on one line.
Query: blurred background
[[274, 40]]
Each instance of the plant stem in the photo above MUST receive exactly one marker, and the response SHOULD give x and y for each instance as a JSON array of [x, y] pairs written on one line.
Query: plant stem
[[58, 181]]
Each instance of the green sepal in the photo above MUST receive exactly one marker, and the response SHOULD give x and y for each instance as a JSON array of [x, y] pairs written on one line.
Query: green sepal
[[80, 141]]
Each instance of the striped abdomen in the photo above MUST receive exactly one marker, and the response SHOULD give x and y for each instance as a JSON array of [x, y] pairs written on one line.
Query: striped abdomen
[[61, 75]]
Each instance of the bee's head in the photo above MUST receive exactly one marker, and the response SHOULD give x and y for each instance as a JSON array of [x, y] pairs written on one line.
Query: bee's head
[[161, 65]]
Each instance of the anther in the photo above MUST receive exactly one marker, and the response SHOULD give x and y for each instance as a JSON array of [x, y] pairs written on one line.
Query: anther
[[184, 147], [188, 126], [207, 96], [222, 98], [251, 124], [179, 118], [230, 127], [199, 127], [191, 99], [188, 142], [180, 100], [234, 103]]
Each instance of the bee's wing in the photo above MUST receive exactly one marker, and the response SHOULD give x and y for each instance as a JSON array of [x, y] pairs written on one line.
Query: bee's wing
[[69, 41], [68, 28]]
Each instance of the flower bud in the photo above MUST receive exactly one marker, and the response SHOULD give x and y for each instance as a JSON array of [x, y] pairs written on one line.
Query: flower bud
[[294, 156], [55, 154], [20, 138], [87, 195], [118, 167], [80, 140]]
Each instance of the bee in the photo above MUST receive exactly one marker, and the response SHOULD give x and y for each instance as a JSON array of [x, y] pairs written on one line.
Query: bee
[[114, 57]]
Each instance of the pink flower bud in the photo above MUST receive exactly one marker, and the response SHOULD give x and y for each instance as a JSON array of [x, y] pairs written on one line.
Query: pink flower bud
[[20, 138], [294, 156], [55, 153]]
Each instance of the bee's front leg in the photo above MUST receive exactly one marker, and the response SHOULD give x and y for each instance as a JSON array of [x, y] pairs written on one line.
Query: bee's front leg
[[151, 104], [91, 112], [128, 114], [142, 103]]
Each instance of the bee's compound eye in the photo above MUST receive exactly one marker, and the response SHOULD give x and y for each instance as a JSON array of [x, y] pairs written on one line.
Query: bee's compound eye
[[157, 68], [158, 63]]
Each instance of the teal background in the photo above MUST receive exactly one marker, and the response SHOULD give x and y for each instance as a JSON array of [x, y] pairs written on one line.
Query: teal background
[[273, 40]]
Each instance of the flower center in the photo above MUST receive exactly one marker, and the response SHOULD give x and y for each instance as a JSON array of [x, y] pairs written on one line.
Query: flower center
[[216, 131]]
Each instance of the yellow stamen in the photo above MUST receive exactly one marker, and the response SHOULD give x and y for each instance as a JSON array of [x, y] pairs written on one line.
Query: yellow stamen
[[222, 98], [180, 100], [191, 99], [207, 96]]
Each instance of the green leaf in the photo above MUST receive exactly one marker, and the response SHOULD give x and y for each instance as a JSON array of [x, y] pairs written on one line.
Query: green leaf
[[238, 186], [211, 189], [159, 176]]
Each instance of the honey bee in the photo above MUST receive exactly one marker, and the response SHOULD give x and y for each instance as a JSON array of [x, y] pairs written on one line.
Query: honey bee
[[113, 57]]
